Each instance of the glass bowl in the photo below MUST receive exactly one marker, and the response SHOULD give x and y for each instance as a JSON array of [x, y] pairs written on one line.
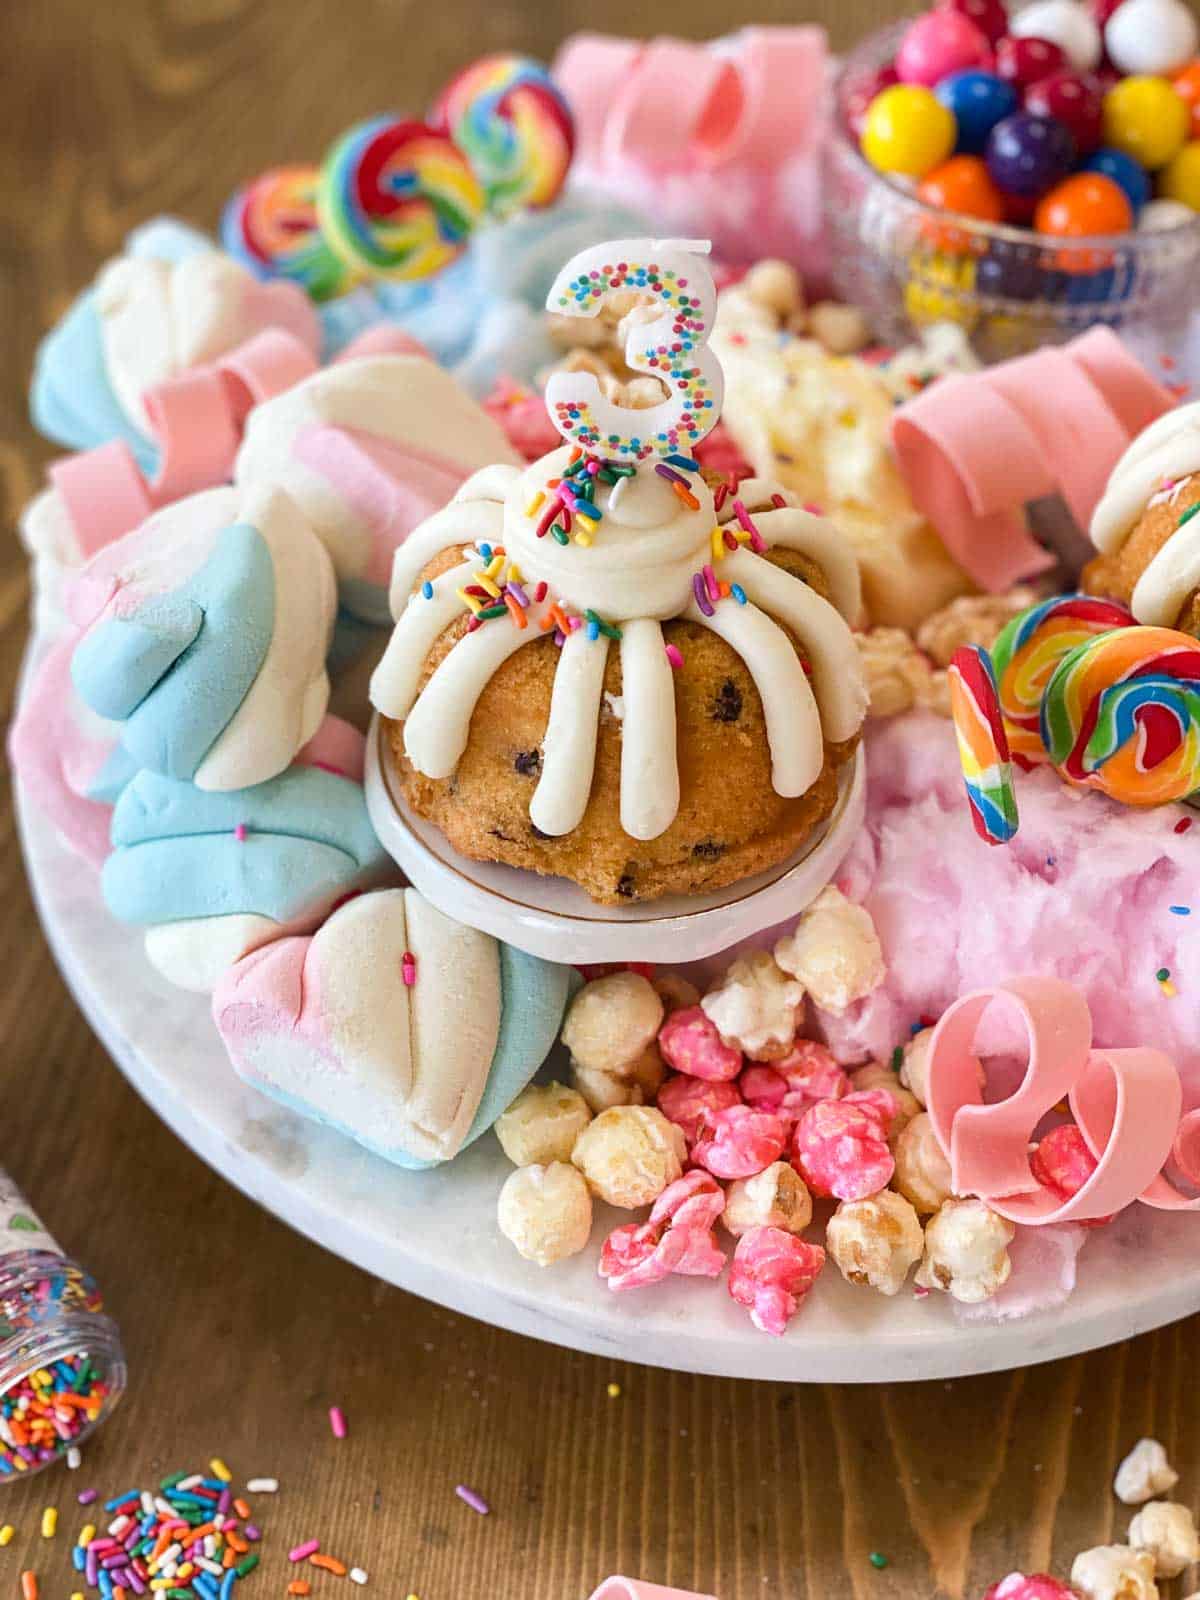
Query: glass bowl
[[908, 264]]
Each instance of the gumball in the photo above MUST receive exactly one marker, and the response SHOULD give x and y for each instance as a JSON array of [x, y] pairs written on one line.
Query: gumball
[[989, 16], [1084, 204], [1180, 178], [1019, 209], [1013, 272], [908, 130], [1101, 10], [1145, 118], [1129, 174], [1159, 216], [1022, 62], [1074, 99], [1068, 24], [1151, 37], [1028, 154], [978, 100], [1187, 86], [939, 43], [963, 185], [858, 97]]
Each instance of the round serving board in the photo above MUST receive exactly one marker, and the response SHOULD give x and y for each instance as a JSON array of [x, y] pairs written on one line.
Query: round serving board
[[434, 1233]]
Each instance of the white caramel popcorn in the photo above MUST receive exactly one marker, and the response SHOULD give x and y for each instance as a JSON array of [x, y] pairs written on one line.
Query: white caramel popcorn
[[546, 1212], [914, 1064], [634, 1085], [876, 1075], [898, 675], [542, 1125], [875, 1242], [612, 1020], [1114, 1572], [630, 1154], [1167, 1530], [676, 993], [777, 1197], [971, 619], [776, 286], [966, 1251], [922, 1172], [755, 1007], [1144, 1473], [834, 952], [842, 329]]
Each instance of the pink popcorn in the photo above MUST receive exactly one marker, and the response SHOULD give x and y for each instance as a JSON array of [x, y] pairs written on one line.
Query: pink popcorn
[[677, 1238], [690, 1043], [1063, 1163], [772, 1271], [840, 1147], [739, 1142], [808, 1073], [1035, 1586], [688, 1101]]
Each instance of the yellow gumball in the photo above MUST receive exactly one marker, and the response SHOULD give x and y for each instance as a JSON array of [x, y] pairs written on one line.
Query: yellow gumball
[[908, 130], [1147, 119], [1180, 178], [941, 288]]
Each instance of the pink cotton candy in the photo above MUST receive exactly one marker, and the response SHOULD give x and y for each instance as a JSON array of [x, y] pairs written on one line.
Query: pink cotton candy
[[1083, 893], [677, 1238], [688, 1102], [840, 1147], [690, 1043], [771, 1273], [739, 1142], [1043, 1274]]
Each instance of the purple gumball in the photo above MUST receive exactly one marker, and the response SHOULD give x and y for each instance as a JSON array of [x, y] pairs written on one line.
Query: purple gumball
[[1028, 154]]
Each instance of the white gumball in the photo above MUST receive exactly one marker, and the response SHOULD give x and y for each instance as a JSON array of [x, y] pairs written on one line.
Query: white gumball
[[1160, 215], [1066, 24], [1153, 37]]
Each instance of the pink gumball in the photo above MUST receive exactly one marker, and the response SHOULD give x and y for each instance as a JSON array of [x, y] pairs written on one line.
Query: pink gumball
[[989, 16], [939, 43]]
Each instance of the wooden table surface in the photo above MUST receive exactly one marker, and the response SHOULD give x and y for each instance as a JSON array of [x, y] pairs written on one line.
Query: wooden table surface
[[239, 1333]]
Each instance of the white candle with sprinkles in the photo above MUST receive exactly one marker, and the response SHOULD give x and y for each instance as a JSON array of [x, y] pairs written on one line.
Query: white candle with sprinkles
[[672, 347]]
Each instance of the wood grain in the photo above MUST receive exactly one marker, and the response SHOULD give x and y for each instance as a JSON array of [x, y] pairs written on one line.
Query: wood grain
[[240, 1333]]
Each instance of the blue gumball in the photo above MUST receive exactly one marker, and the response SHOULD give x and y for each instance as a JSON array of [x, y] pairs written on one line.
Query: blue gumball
[[978, 100], [1124, 171]]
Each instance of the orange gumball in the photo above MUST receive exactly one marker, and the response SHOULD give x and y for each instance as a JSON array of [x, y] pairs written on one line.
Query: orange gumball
[[1186, 84], [1079, 208], [962, 186]]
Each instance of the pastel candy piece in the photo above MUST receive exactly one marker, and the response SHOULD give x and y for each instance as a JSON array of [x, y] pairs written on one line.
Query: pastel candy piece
[[329, 1027], [207, 632], [368, 448], [213, 876], [144, 321], [636, 1589]]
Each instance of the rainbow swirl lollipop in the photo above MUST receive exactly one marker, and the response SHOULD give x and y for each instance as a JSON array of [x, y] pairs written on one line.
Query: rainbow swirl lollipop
[[271, 227], [982, 744], [1026, 653], [515, 128], [1122, 714], [397, 199]]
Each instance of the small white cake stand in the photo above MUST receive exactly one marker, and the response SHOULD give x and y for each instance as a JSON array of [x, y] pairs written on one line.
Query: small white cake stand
[[554, 919], [434, 1233]]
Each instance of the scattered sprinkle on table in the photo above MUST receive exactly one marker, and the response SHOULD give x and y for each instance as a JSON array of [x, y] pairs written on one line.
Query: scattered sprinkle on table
[[7, 1534], [475, 1501], [74, 1458], [49, 1522], [357, 1575], [614, 1391], [220, 1470], [29, 1586], [263, 1486], [301, 1552], [86, 1496], [299, 1586], [878, 1560], [337, 1417]]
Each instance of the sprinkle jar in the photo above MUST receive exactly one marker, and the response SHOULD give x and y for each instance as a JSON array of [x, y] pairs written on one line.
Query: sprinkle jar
[[62, 1368]]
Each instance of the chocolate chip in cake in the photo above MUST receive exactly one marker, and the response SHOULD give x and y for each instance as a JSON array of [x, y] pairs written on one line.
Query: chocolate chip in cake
[[528, 763], [495, 833], [625, 886], [727, 707], [708, 850]]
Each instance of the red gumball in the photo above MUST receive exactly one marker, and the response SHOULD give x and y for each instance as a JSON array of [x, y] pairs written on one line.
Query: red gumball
[[989, 16], [1019, 209], [1022, 62], [1077, 101], [860, 94], [1085, 204]]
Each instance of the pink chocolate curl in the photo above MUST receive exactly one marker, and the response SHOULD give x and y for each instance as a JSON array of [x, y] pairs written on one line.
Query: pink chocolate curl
[[772, 1271], [678, 1237], [739, 1141], [840, 1147], [690, 1043]]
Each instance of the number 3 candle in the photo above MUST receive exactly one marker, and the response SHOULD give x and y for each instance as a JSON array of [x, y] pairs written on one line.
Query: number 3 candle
[[668, 342]]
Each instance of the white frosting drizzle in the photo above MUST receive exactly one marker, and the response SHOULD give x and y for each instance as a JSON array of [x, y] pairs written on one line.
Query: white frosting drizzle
[[649, 768], [840, 691], [1165, 451], [793, 722], [1173, 574], [397, 678], [463, 521], [569, 745], [284, 705]]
